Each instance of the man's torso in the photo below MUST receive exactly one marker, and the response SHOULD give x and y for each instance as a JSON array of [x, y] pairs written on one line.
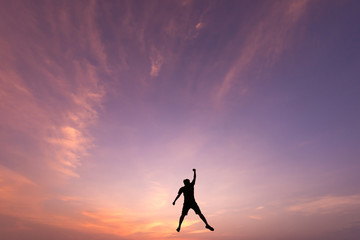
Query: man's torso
[[188, 193]]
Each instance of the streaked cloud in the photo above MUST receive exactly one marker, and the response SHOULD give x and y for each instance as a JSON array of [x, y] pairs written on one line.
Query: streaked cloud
[[18, 192], [327, 205], [124, 222], [267, 40], [255, 217], [62, 103]]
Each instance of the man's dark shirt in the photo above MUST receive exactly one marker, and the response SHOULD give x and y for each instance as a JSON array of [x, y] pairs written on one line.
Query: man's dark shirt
[[188, 193]]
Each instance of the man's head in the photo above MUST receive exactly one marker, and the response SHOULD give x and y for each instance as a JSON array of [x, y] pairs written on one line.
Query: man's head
[[186, 182]]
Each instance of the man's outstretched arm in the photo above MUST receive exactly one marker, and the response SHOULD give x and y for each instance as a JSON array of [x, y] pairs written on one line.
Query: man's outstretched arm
[[194, 179], [176, 198], [180, 192]]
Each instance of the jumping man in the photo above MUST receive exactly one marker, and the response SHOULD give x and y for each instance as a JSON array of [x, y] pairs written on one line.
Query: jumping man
[[189, 202]]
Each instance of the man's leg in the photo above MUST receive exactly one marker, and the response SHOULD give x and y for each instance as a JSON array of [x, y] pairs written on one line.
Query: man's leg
[[184, 212], [204, 220], [198, 212], [180, 222]]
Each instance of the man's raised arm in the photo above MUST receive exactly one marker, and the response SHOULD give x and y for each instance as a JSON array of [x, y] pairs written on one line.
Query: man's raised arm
[[194, 179]]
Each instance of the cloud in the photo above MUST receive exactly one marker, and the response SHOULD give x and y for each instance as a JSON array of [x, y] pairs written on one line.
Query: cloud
[[254, 217], [36, 206], [51, 95], [13, 228], [266, 41], [52, 86], [126, 222], [20, 193], [199, 25], [326, 205], [156, 62], [69, 146]]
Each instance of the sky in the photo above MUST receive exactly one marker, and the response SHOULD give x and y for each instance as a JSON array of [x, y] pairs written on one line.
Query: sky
[[106, 106]]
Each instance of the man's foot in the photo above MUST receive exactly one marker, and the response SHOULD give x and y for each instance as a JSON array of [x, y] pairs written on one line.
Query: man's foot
[[178, 229], [209, 227]]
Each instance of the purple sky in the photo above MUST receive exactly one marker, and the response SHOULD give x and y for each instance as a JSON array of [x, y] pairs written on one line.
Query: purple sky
[[106, 106]]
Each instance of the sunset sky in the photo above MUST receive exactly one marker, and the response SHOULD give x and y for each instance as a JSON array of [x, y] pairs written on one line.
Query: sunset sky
[[106, 106]]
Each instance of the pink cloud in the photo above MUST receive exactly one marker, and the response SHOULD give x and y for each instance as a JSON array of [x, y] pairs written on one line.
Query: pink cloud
[[58, 98], [327, 205], [157, 61]]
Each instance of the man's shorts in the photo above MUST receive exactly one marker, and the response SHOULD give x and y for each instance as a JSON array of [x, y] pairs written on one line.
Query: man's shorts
[[192, 205]]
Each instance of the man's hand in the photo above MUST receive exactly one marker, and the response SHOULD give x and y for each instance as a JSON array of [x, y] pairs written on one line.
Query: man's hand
[[174, 203], [194, 170]]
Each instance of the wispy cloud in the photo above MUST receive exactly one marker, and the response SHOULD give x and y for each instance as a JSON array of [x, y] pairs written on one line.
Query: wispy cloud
[[255, 217], [267, 40], [327, 205], [123, 222], [156, 62], [59, 94], [50, 94], [17, 192]]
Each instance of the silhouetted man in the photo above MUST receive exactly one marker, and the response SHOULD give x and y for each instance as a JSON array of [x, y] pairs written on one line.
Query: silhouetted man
[[189, 202]]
